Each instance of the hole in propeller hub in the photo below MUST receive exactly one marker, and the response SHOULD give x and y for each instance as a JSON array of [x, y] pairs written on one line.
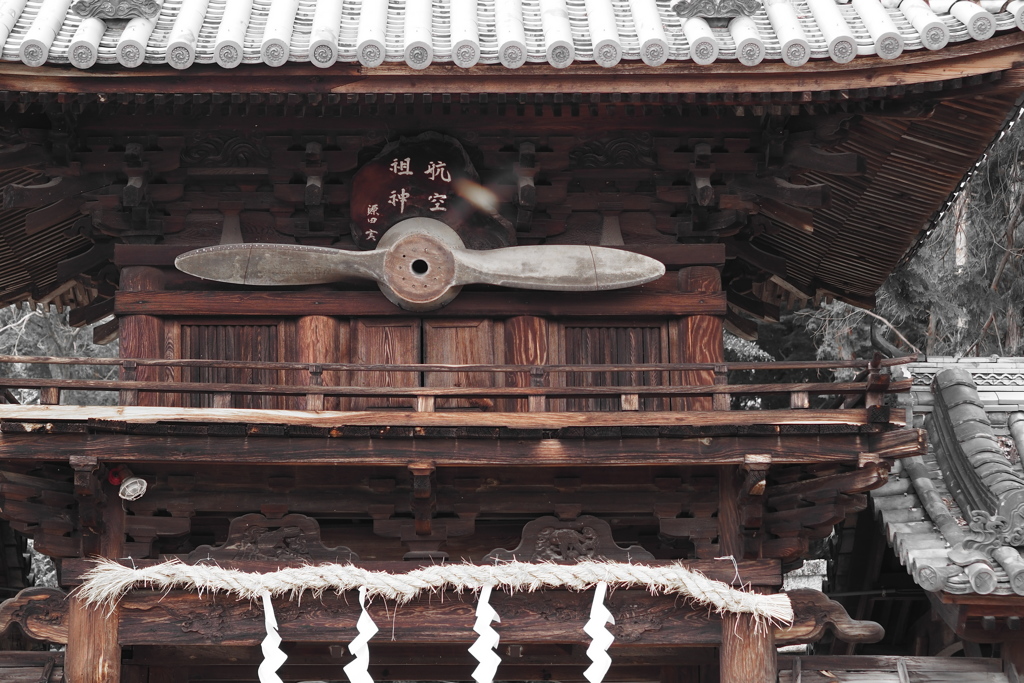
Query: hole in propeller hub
[[420, 267]]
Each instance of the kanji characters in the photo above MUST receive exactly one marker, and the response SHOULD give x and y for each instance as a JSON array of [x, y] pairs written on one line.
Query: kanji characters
[[401, 166], [372, 212], [371, 234], [399, 197], [437, 201], [438, 169]]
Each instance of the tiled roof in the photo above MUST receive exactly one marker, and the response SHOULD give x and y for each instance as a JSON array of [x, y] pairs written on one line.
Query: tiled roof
[[938, 510], [1000, 383], [469, 32]]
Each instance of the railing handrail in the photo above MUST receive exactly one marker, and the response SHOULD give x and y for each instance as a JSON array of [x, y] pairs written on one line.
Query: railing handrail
[[436, 367], [667, 390]]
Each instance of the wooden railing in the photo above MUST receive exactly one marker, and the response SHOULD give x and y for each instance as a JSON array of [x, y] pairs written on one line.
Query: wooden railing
[[535, 385]]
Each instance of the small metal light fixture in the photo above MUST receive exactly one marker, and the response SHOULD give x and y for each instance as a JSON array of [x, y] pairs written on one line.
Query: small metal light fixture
[[131, 487]]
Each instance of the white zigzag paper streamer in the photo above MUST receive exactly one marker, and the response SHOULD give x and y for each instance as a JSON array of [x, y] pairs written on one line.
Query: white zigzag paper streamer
[[273, 656], [358, 669], [602, 637], [483, 648]]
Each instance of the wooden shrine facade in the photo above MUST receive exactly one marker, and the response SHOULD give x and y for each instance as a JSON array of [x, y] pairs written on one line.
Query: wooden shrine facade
[[333, 420]]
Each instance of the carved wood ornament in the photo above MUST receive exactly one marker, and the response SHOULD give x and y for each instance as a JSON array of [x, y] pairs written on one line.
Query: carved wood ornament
[[549, 539], [254, 537]]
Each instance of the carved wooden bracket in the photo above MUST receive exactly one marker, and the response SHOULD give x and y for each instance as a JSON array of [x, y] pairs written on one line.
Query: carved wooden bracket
[[815, 613], [292, 538], [549, 539], [42, 613]]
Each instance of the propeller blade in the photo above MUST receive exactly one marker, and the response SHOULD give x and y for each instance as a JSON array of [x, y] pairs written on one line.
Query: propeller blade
[[279, 264], [556, 268]]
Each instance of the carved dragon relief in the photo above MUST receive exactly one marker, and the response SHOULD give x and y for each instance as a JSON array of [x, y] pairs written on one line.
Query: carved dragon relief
[[549, 539], [116, 9], [292, 538]]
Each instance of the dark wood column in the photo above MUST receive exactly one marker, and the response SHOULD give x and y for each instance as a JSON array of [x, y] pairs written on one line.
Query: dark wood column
[[94, 651], [747, 654], [142, 336], [701, 340]]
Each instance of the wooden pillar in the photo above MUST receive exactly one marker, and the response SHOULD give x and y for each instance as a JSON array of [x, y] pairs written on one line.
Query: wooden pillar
[[1013, 655], [701, 340], [142, 336], [93, 652], [747, 654]]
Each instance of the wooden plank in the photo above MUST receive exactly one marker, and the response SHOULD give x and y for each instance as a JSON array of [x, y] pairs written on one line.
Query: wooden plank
[[455, 341], [140, 414], [156, 618], [373, 304], [525, 343], [396, 340], [399, 452], [363, 387]]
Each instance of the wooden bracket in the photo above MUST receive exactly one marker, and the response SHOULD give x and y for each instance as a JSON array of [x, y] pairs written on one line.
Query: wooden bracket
[[85, 467], [815, 613], [41, 613]]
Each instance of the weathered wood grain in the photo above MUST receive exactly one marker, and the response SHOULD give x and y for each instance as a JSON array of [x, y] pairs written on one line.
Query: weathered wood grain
[[140, 414], [701, 337], [373, 304], [586, 452], [180, 618]]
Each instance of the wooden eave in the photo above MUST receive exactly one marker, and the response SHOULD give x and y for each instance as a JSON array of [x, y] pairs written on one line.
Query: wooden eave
[[972, 58]]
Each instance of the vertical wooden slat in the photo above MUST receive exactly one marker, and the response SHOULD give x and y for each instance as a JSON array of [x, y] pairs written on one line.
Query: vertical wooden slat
[[526, 343], [317, 341], [701, 335]]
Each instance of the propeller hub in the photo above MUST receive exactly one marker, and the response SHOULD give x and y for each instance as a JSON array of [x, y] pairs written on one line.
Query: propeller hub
[[419, 271], [419, 266]]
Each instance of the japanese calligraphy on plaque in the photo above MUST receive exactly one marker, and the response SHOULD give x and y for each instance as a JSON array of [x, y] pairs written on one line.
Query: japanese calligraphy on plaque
[[419, 176]]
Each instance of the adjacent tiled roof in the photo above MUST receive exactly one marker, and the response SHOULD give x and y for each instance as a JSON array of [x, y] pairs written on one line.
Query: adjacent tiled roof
[[968, 463], [421, 32], [1000, 383]]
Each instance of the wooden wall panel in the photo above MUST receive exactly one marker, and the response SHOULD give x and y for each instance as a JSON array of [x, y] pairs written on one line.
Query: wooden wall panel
[[459, 342], [612, 345], [250, 342], [318, 340], [142, 336], [382, 342]]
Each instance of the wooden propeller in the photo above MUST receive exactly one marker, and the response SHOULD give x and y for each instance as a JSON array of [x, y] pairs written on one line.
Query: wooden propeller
[[421, 264]]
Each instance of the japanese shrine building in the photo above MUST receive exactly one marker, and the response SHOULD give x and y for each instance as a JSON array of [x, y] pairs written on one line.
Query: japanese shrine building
[[441, 286]]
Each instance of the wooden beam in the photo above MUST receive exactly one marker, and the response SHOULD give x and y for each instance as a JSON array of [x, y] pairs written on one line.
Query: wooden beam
[[398, 452], [388, 418], [373, 304]]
